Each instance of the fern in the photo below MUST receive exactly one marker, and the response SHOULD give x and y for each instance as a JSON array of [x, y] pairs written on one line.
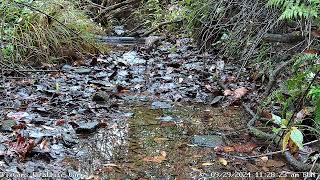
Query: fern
[[295, 9]]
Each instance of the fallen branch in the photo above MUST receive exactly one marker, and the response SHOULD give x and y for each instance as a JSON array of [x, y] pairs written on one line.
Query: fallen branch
[[160, 25], [114, 7], [33, 70], [297, 165], [273, 76], [284, 38]]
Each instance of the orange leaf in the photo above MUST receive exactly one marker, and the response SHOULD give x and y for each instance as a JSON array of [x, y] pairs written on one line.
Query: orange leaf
[[228, 149]]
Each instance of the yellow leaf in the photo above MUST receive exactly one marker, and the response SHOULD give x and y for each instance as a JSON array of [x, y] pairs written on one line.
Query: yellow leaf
[[223, 161], [207, 164], [285, 141]]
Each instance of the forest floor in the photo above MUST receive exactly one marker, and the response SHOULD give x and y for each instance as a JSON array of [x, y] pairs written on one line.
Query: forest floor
[[135, 113]]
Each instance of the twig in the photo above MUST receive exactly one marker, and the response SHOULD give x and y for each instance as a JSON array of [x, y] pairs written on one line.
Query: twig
[[159, 26], [273, 76], [33, 70]]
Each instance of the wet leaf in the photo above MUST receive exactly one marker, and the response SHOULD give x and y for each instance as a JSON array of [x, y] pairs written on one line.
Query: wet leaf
[[60, 122], [296, 136], [17, 115], [245, 148], [22, 146], [277, 119], [285, 141]]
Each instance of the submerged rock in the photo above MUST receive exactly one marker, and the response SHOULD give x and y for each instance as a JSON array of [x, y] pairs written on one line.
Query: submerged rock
[[83, 70], [100, 97], [160, 105], [86, 128], [208, 140]]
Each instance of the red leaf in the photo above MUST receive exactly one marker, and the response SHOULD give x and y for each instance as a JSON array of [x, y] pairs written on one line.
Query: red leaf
[[60, 122], [245, 148], [22, 147], [311, 51]]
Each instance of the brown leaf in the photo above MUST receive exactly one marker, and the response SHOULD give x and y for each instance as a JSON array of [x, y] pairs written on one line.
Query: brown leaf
[[228, 149], [156, 159], [274, 163], [160, 140], [240, 92], [245, 148], [316, 33], [311, 51], [228, 92], [22, 146], [266, 114], [44, 145]]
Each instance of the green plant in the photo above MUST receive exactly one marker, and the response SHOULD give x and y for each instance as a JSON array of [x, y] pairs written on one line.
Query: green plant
[[295, 9], [35, 31]]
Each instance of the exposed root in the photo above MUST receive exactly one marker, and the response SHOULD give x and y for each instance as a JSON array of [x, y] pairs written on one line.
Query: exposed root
[[274, 74], [297, 165]]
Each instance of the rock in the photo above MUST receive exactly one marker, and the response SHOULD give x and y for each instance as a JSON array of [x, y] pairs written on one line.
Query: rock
[[169, 119], [216, 100], [100, 96], [83, 70], [208, 140], [86, 128], [160, 105], [7, 125]]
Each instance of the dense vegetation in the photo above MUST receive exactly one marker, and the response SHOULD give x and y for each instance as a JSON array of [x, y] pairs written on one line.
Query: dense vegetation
[[45, 31]]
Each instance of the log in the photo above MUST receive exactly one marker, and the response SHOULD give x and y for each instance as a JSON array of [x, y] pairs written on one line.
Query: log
[[293, 37]]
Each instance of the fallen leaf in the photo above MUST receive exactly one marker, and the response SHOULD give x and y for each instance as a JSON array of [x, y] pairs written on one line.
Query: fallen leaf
[[22, 146], [156, 159], [264, 158], [266, 114], [311, 51], [160, 140], [17, 115], [60, 122], [223, 161], [228, 92], [246, 148], [44, 145], [228, 149], [240, 92], [274, 163], [207, 164]]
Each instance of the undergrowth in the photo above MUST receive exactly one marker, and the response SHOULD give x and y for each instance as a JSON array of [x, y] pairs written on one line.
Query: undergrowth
[[35, 31]]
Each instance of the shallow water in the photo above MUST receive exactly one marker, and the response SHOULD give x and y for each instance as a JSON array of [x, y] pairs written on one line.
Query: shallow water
[[157, 144]]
